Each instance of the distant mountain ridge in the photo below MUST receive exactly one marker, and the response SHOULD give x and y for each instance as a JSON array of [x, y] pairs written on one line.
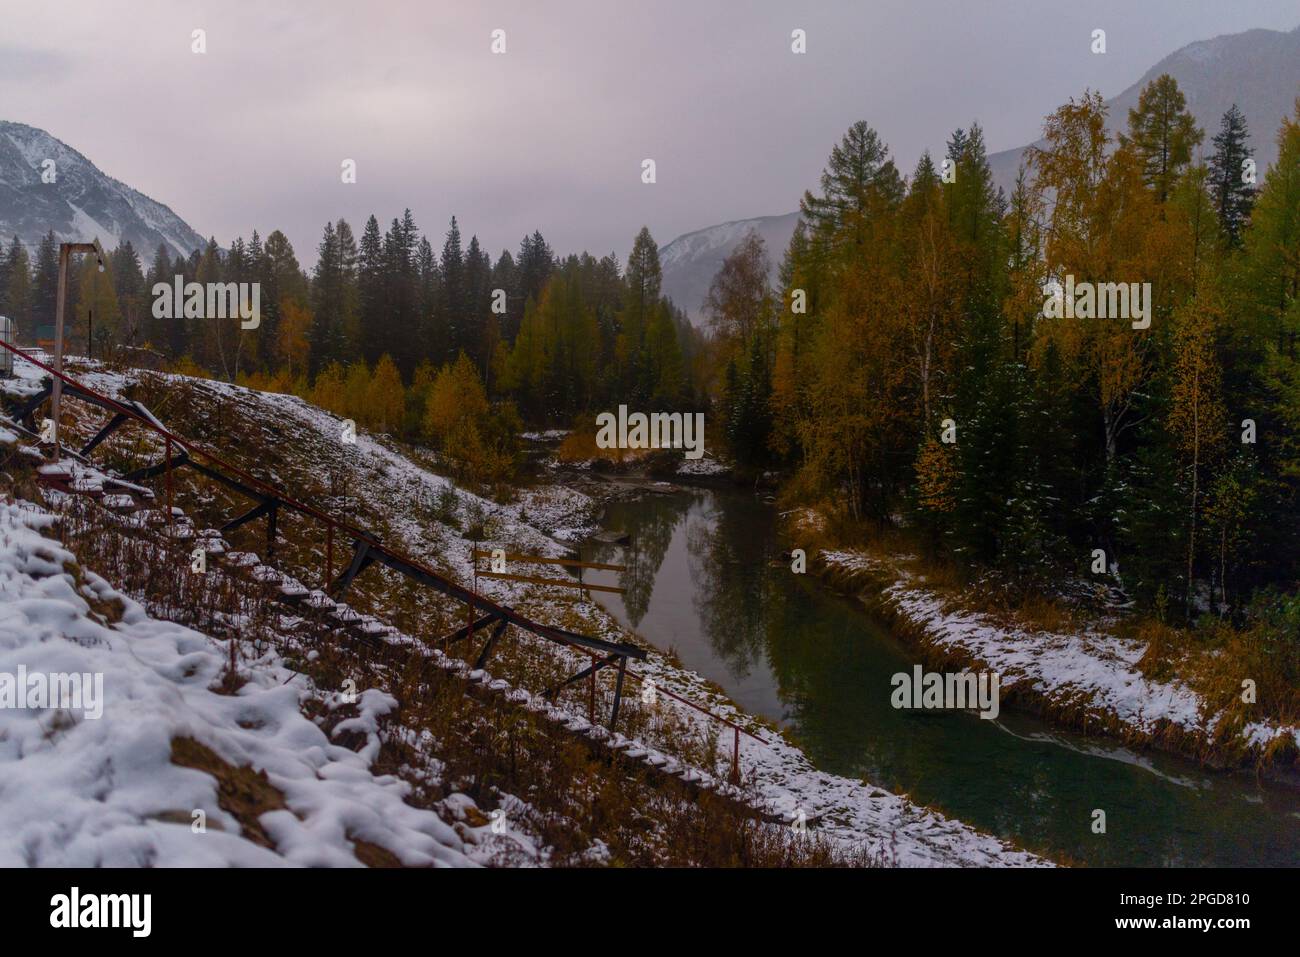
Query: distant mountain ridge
[[690, 261], [82, 203], [1259, 70]]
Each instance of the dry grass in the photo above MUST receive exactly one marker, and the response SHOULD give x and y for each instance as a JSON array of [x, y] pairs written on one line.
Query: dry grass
[[1212, 657], [242, 792], [442, 740]]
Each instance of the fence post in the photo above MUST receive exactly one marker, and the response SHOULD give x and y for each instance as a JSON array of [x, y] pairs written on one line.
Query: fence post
[[169, 483], [735, 756]]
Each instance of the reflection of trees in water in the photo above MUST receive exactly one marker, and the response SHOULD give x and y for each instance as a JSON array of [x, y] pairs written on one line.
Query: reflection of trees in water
[[831, 673], [650, 522], [733, 592]]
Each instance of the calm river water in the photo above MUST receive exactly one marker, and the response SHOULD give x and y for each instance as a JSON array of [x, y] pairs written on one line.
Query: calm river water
[[705, 579]]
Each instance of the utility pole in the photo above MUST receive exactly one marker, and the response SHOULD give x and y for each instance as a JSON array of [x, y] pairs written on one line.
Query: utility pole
[[65, 255]]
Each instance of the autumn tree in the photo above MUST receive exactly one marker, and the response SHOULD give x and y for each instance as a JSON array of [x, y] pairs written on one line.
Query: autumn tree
[[386, 396], [1196, 415], [1162, 134]]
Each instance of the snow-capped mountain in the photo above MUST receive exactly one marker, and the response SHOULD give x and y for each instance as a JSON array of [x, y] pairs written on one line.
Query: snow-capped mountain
[[689, 262], [1259, 70], [82, 202]]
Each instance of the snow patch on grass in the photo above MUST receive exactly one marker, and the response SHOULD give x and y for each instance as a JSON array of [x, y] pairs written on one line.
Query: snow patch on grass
[[83, 792]]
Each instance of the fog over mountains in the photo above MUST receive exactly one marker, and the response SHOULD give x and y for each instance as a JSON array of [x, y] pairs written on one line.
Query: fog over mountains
[[82, 202], [1259, 70]]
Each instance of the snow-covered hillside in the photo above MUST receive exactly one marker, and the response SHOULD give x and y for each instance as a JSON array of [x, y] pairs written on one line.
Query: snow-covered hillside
[[82, 202], [294, 441], [108, 791]]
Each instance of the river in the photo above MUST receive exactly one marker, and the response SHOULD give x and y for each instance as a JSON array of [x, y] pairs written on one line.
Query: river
[[705, 580]]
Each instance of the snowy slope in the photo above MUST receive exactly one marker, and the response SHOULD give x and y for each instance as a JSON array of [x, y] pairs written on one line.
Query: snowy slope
[[1099, 667], [83, 203], [87, 792], [849, 812]]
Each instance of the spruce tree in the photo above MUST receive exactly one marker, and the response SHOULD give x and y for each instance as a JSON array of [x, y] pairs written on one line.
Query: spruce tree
[[5, 267], [326, 301], [478, 292], [430, 346], [534, 267], [451, 267], [128, 280], [1232, 195], [45, 282], [371, 290]]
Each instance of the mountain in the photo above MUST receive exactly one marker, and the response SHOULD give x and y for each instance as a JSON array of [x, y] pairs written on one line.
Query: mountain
[[1259, 70], [689, 262], [82, 203]]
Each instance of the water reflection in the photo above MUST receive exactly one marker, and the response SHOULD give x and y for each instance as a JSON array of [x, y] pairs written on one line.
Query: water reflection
[[705, 579]]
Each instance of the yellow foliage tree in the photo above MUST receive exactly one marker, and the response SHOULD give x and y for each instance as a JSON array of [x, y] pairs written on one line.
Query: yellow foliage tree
[[386, 397], [293, 343]]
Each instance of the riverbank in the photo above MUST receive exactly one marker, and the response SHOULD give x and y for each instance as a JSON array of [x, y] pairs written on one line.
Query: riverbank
[[1088, 679], [407, 504]]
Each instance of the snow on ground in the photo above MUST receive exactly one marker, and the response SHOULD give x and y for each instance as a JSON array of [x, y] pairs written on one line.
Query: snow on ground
[[549, 435], [81, 791], [1100, 666], [847, 811], [703, 466]]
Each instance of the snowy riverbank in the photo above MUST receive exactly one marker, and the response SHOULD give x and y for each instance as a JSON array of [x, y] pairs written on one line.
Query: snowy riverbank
[[1089, 680]]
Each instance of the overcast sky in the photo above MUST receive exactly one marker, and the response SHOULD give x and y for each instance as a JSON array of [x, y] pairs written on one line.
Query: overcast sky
[[550, 135]]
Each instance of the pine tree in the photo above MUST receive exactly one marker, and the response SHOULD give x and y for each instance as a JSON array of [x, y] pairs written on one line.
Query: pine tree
[[505, 326], [1231, 194], [401, 317], [1271, 265], [451, 268], [478, 291], [157, 331], [533, 268], [5, 266], [1162, 133], [643, 279], [372, 291], [128, 280], [327, 302], [19, 286], [348, 342], [858, 176], [45, 282], [431, 342], [211, 338]]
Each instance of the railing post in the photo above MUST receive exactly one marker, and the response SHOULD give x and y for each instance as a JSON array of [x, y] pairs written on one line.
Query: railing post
[[169, 482], [329, 554], [735, 756]]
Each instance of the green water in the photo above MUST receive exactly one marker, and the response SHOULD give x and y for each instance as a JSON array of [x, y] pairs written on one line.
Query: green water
[[705, 579]]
